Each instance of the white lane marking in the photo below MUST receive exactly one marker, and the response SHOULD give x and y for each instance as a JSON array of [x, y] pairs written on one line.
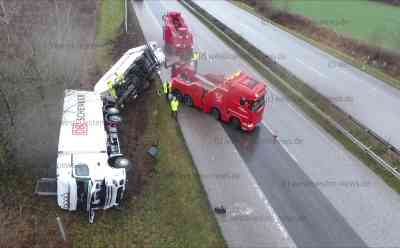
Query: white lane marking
[[320, 133], [371, 89], [310, 67], [283, 145], [275, 217], [263, 198]]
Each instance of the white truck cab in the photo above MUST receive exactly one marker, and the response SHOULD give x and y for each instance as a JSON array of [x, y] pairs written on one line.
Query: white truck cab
[[85, 178]]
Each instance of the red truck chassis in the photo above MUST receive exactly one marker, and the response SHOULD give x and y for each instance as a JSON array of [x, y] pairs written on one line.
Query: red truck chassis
[[237, 99]]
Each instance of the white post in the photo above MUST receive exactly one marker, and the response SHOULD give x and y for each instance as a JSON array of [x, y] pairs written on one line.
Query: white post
[[61, 228], [126, 16]]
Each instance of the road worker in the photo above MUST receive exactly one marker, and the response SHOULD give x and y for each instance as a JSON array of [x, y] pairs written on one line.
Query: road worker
[[174, 107], [169, 87], [195, 60], [111, 88], [119, 79], [195, 56], [166, 89]]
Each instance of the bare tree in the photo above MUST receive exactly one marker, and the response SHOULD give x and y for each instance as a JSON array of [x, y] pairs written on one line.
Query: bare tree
[[41, 60]]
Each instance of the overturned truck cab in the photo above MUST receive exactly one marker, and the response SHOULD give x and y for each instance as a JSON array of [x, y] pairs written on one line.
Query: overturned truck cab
[[91, 168]]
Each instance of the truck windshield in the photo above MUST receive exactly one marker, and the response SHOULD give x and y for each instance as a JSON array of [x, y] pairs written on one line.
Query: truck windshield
[[257, 104]]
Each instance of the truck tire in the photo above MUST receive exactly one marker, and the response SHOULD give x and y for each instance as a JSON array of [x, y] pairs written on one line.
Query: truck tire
[[122, 162], [112, 111], [188, 101], [235, 123], [216, 114], [119, 161]]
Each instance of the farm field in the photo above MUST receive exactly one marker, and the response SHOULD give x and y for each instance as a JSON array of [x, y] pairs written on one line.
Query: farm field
[[369, 21]]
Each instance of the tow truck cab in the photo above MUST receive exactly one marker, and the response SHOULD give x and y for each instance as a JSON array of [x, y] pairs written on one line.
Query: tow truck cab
[[237, 99], [176, 34], [86, 177]]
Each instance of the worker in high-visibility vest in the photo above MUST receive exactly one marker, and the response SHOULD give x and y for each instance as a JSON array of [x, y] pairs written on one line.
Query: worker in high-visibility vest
[[119, 79], [169, 87], [111, 88], [166, 89], [174, 107], [195, 56], [195, 60]]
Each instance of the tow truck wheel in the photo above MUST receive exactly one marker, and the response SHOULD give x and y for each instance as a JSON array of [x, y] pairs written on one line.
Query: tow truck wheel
[[188, 101], [215, 114], [235, 123]]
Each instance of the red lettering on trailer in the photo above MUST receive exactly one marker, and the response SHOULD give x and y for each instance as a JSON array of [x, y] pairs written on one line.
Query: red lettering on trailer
[[79, 128]]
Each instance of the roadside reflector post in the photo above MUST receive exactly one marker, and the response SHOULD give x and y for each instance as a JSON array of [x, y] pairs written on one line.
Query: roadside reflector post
[[61, 228]]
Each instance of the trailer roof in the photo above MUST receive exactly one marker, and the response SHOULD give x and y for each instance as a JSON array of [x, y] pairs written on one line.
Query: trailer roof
[[82, 125]]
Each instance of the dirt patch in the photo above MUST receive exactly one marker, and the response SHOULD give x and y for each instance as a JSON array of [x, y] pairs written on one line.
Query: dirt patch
[[387, 61], [136, 115]]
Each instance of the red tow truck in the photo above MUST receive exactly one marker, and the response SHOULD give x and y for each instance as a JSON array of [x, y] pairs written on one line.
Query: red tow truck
[[176, 34], [237, 99]]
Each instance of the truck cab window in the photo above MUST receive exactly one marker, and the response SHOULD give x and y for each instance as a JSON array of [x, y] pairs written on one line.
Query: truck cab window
[[256, 105], [81, 171]]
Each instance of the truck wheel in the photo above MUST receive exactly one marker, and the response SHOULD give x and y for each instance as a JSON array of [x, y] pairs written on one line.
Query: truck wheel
[[188, 101], [119, 161], [122, 162], [215, 114], [235, 123]]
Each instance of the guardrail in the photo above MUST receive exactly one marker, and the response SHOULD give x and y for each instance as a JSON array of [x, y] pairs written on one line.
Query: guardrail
[[270, 67]]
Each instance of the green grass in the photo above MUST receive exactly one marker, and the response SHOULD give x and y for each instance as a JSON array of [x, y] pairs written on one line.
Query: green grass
[[374, 71], [109, 19], [372, 22]]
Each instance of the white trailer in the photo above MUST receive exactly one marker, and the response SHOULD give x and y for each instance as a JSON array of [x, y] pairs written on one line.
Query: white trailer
[[91, 169]]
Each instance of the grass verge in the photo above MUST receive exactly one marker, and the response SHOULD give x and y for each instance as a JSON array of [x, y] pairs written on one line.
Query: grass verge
[[361, 65], [297, 91], [109, 18]]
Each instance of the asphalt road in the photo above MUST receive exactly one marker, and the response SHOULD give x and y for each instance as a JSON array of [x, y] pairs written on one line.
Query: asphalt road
[[323, 195], [367, 99]]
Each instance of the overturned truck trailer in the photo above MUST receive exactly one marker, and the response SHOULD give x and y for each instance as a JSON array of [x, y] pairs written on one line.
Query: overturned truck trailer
[[91, 168]]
